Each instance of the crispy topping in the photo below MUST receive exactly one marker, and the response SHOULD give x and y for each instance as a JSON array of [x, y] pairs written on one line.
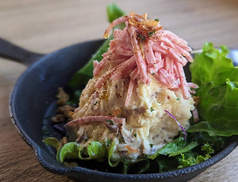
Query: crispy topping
[[62, 97], [142, 23], [196, 100]]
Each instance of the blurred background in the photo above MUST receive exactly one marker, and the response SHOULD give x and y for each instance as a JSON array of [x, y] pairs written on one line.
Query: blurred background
[[44, 26]]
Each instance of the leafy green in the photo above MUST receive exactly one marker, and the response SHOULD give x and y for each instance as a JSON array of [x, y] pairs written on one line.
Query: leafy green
[[179, 153], [217, 142], [218, 92], [110, 152], [114, 12], [179, 145], [74, 98], [182, 153], [167, 163], [207, 148], [185, 149], [136, 167], [54, 142], [171, 147], [70, 150], [86, 73], [96, 150], [189, 158], [142, 166]]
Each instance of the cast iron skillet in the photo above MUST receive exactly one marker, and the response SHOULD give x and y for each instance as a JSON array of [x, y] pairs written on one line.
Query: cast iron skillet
[[33, 99]]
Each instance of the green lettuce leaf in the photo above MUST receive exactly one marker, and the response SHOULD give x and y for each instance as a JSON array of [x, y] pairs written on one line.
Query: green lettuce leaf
[[176, 147], [191, 158], [70, 150], [136, 167], [167, 163], [82, 77], [96, 150], [74, 98], [86, 73], [169, 148], [54, 142], [217, 142], [218, 92], [185, 149], [113, 13], [110, 152]]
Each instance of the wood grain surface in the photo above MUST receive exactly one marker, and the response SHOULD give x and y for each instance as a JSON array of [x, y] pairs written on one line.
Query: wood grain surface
[[46, 25]]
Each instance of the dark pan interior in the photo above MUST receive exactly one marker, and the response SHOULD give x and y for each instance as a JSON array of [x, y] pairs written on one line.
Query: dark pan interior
[[33, 101]]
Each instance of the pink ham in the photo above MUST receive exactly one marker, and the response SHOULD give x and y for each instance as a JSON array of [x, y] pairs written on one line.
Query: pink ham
[[129, 92], [138, 57], [113, 24], [126, 67], [90, 119], [167, 42], [100, 66], [149, 55], [135, 53], [95, 64], [103, 78], [174, 38], [134, 74], [192, 85], [121, 51]]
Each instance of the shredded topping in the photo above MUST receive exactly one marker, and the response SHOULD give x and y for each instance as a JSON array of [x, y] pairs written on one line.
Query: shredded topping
[[143, 48], [131, 150]]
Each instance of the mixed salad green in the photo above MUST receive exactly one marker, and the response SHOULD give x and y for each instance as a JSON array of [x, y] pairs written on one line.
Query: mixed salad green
[[217, 79]]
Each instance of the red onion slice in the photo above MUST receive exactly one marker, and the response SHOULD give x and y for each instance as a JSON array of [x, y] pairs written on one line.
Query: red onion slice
[[184, 132]]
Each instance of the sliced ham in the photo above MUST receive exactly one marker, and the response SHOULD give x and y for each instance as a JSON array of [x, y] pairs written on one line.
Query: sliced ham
[[143, 47], [95, 64], [103, 78], [138, 56], [134, 74], [192, 85], [90, 119], [124, 52], [126, 67], [113, 24], [129, 92], [149, 55]]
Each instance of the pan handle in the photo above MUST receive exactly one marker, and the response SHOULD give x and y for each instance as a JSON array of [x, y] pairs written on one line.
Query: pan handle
[[18, 54]]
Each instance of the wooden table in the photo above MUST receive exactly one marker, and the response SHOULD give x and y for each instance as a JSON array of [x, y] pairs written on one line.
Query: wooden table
[[44, 26]]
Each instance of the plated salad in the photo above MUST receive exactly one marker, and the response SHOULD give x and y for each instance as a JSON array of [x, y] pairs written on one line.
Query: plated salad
[[137, 113]]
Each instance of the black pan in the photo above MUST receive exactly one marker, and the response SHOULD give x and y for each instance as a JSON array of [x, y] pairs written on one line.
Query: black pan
[[33, 100]]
